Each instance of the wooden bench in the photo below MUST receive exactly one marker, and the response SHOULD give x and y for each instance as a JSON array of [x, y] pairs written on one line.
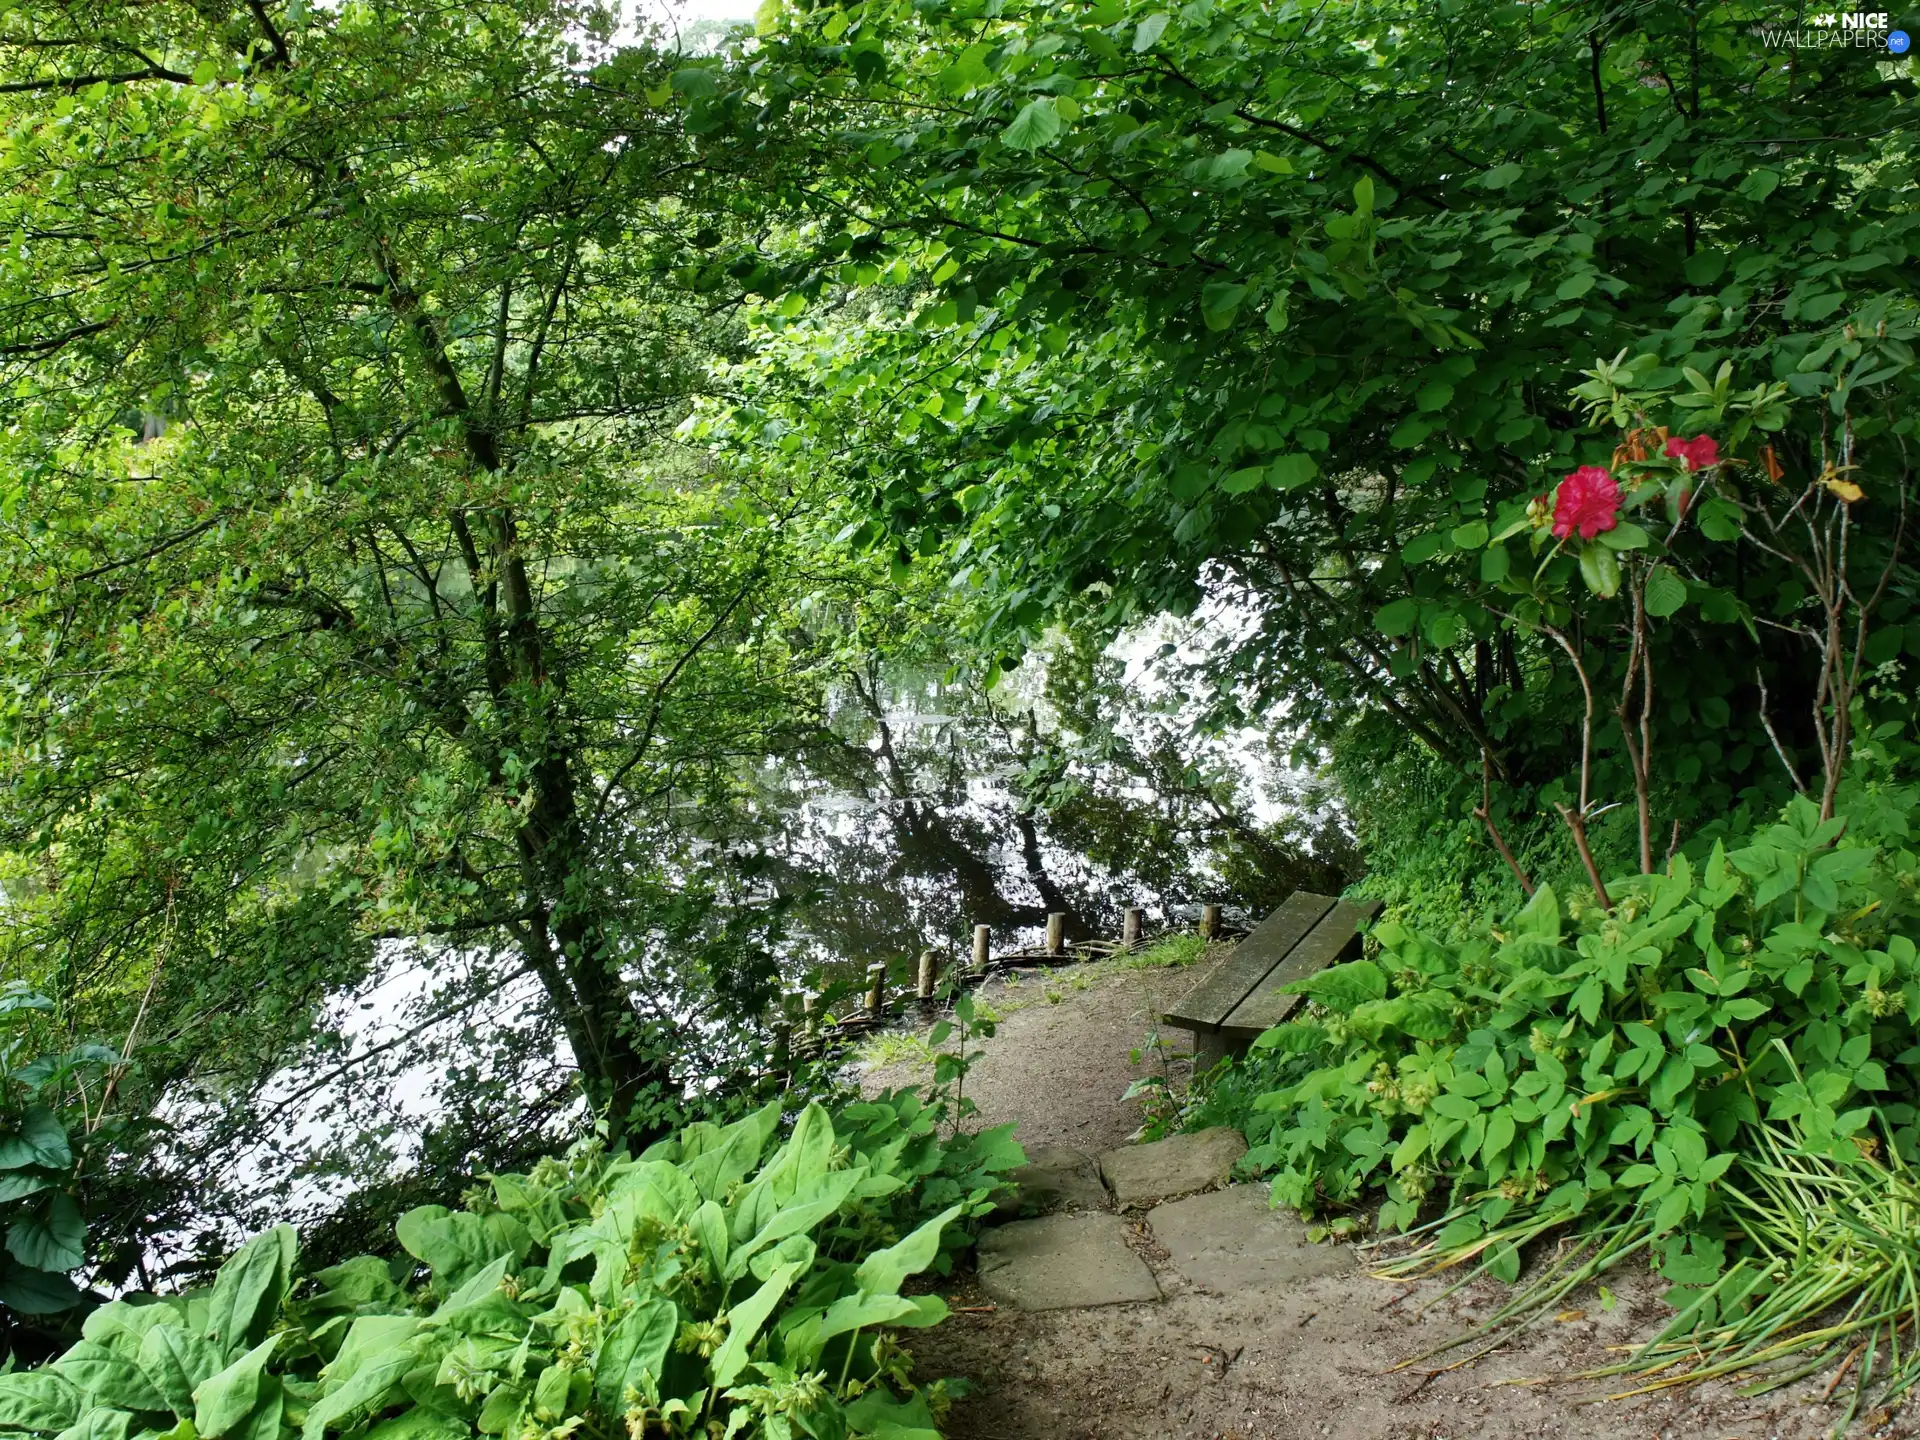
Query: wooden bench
[[1242, 996]]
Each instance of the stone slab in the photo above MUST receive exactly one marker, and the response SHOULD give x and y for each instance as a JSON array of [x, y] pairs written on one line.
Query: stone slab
[[1061, 1262], [1178, 1165], [1232, 1240], [1056, 1177]]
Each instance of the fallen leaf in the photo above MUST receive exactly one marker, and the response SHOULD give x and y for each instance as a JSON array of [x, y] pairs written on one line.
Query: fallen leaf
[[1568, 1316], [1771, 462], [1845, 489]]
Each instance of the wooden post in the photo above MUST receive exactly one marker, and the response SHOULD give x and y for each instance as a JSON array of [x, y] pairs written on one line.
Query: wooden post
[[877, 988], [809, 1018], [929, 972], [982, 949], [1130, 927], [1056, 932], [782, 1045], [1209, 922]]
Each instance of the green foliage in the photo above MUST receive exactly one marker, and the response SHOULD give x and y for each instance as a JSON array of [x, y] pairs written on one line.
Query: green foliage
[[56, 1114], [1574, 1057], [1280, 307], [706, 1283]]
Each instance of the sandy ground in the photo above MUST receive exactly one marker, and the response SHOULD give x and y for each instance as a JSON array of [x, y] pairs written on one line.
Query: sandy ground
[[1310, 1360]]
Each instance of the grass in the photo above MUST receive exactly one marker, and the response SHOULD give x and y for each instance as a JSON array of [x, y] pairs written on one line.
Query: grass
[[1173, 952], [894, 1047]]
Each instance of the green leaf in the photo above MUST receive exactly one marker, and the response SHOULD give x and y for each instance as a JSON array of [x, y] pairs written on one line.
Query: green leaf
[[106, 1377], [41, 1140], [1148, 31], [176, 1361], [248, 1291], [1343, 987], [633, 1353], [1625, 536], [1290, 472], [1470, 536], [881, 1272], [35, 1292], [1220, 302], [18, 1186], [1501, 176], [1037, 125], [54, 1240], [225, 1403], [744, 1321], [1396, 617], [1600, 570], [37, 1400], [1435, 395], [1666, 592]]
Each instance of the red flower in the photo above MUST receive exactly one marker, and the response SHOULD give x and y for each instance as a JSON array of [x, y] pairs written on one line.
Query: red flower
[[1697, 453], [1588, 501]]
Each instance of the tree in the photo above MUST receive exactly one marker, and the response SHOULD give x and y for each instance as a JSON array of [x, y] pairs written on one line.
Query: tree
[[1277, 304], [352, 593]]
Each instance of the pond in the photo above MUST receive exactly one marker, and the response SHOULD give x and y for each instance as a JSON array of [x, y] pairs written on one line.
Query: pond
[[921, 806]]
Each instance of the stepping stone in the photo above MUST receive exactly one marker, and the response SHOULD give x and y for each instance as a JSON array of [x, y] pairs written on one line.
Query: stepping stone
[[1178, 1165], [1232, 1240], [1056, 1178], [1062, 1262]]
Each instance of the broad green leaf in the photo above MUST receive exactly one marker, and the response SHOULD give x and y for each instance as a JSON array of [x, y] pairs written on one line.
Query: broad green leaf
[[176, 1361], [40, 1140], [227, 1403], [1148, 31], [106, 1377], [1396, 617], [633, 1352], [1666, 592], [881, 1272], [37, 1400], [248, 1291], [1601, 570], [1290, 472], [53, 1239], [1220, 302], [744, 1321], [1036, 126]]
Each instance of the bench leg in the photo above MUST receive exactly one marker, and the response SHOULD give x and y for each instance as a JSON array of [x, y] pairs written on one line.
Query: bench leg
[[1209, 1049]]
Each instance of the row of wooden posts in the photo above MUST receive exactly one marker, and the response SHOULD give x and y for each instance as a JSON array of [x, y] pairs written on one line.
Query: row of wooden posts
[[927, 975]]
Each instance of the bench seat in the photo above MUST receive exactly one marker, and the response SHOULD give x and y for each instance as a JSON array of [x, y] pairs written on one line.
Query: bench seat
[[1241, 996]]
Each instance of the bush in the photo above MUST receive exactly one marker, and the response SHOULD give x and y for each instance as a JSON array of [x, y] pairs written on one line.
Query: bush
[[1721, 1063], [704, 1288]]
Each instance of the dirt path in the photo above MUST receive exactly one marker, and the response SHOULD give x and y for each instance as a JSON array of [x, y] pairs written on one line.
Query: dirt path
[[1312, 1358]]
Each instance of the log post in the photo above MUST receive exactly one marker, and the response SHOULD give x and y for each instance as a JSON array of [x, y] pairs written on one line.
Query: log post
[[782, 1046], [982, 949], [1209, 922], [809, 1016], [1056, 932], [928, 973], [1130, 927], [877, 989]]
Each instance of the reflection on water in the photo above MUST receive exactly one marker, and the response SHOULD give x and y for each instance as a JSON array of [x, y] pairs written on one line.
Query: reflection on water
[[924, 806]]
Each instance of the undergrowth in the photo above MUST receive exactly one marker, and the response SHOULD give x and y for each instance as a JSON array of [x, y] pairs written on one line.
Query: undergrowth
[[1716, 1074]]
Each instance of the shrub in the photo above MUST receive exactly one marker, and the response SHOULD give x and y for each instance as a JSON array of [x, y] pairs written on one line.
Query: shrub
[[1721, 1061], [704, 1288]]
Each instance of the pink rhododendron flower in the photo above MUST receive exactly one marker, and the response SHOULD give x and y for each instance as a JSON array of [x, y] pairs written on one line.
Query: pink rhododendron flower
[[1588, 501], [1697, 453]]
